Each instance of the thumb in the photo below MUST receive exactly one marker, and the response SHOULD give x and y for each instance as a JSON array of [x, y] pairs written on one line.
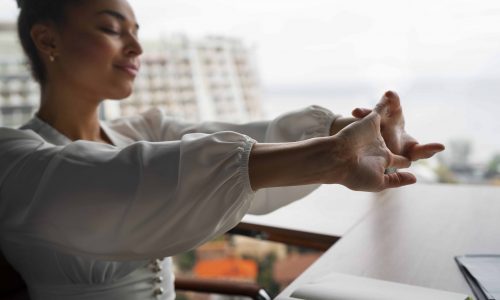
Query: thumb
[[398, 179]]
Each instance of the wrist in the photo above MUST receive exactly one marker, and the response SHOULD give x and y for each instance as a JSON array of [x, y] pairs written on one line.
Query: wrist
[[324, 164], [334, 164], [297, 163]]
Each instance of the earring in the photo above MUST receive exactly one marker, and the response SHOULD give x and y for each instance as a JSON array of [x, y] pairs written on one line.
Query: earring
[[51, 58]]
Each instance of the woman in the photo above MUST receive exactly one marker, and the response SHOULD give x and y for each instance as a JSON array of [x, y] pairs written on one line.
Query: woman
[[89, 210]]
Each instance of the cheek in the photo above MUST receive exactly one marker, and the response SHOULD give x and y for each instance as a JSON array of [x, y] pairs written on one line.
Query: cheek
[[89, 52], [87, 62]]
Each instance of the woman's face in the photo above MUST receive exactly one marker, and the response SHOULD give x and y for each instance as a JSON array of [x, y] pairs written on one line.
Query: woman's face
[[98, 49]]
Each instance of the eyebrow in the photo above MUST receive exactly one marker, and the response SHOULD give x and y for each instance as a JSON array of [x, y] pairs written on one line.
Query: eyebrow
[[116, 15]]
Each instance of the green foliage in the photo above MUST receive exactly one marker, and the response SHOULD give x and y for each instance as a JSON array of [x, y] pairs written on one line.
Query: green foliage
[[186, 261], [181, 296], [494, 165], [265, 277]]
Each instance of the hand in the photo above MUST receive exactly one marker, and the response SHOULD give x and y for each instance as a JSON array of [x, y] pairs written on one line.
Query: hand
[[392, 128], [365, 156]]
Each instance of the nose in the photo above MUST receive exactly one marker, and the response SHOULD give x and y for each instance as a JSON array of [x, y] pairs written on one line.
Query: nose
[[133, 47]]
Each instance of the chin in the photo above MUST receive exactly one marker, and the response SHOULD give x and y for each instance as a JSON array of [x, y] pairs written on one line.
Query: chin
[[120, 93]]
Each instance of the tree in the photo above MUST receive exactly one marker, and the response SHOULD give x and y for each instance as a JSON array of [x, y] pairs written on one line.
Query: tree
[[186, 261]]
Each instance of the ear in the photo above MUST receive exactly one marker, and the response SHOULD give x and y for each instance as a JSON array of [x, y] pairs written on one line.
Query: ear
[[45, 38]]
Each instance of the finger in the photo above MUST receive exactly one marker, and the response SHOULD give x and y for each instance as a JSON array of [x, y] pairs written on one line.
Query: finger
[[398, 162], [398, 179], [424, 151], [389, 103], [361, 112]]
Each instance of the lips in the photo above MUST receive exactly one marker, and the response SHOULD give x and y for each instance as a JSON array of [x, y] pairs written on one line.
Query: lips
[[131, 69]]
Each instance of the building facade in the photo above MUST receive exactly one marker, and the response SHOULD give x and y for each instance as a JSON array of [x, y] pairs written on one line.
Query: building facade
[[212, 78], [19, 94]]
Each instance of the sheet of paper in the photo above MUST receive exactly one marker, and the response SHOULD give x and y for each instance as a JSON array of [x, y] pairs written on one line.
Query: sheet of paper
[[338, 286], [486, 270]]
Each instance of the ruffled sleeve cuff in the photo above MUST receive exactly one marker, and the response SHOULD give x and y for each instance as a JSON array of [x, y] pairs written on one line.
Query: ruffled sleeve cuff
[[244, 169], [310, 122]]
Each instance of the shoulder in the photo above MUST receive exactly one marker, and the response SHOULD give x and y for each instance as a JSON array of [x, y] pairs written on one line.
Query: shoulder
[[18, 142], [137, 127], [10, 135], [144, 126]]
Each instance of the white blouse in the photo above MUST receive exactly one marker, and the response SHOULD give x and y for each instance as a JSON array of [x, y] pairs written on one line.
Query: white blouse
[[86, 220]]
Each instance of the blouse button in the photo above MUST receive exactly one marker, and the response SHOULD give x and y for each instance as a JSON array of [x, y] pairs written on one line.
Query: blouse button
[[156, 265], [159, 279], [157, 268], [158, 292]]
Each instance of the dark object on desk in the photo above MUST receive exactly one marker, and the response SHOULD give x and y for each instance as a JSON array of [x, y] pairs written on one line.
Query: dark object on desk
[[482, 273]]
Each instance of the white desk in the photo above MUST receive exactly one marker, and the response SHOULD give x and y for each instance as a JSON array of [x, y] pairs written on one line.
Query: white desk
[[412, 236]]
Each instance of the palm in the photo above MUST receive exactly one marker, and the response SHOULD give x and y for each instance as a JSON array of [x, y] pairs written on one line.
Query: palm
[[392, 126]]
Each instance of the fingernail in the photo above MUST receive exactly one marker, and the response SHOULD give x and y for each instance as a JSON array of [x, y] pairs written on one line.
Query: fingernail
[[390, 94]]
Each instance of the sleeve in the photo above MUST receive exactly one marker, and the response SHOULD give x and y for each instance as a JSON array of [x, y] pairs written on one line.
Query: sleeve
[[310, 122], [150, 199]]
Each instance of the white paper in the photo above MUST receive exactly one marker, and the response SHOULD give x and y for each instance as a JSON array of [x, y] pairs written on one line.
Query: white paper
[[337, 286], [486, 270]]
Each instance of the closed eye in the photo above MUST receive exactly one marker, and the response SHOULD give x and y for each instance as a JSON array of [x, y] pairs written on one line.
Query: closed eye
[[110, 31]]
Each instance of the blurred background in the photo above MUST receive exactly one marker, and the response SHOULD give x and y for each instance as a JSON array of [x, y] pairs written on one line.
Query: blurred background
[[249, 60]]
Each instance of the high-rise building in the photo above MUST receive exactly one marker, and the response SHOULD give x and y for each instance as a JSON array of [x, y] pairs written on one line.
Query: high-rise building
[[18, 92]]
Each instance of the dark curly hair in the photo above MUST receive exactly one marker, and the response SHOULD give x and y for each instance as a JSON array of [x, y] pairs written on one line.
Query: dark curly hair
[[33, 12]]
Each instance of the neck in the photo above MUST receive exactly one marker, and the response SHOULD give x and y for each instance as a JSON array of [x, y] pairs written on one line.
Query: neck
[[75, 117]]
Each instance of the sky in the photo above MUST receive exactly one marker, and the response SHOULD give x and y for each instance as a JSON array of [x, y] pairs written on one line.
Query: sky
[[316, 42]]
